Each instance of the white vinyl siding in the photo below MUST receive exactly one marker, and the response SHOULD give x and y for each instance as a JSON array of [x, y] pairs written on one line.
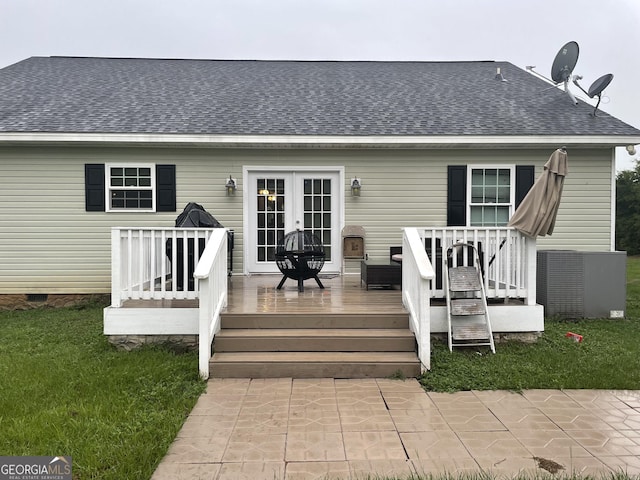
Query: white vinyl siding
[[50, 244]]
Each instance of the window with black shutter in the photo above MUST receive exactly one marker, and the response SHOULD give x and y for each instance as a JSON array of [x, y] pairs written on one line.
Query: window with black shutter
[[485, 195], [130, 187]]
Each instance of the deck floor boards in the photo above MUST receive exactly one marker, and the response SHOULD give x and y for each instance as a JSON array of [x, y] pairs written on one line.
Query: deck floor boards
[[258, 294], [342, 294]]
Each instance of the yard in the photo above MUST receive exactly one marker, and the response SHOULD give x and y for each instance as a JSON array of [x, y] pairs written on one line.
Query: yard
[[66, 391]]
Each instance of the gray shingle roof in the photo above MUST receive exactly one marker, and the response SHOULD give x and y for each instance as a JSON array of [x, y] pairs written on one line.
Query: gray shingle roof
[[106, 95]]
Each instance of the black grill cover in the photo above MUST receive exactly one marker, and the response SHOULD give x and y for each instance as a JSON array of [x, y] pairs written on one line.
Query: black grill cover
[[195, 215]]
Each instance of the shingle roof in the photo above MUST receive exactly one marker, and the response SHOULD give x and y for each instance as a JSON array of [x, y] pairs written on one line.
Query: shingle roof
[[109, 95]]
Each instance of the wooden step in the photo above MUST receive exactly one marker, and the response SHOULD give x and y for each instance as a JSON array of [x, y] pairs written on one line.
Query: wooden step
[[464, 279], [314, 340], [314, 320], [467, 306], [470, 332], [314, 364]]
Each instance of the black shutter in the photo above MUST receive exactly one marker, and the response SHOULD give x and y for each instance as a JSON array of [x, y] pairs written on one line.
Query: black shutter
[[457, 195], [166, 188], [94, 187], [524, 180]]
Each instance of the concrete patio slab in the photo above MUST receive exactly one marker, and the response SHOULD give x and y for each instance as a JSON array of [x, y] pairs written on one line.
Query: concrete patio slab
[[348, 429]]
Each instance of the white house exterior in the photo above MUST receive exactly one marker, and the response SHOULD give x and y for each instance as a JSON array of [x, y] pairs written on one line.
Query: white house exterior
[[86, 144]]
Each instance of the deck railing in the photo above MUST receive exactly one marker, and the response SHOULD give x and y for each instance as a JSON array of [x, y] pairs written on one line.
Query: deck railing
[[417, 277], [507, 259], [155, 263], [211, 275]]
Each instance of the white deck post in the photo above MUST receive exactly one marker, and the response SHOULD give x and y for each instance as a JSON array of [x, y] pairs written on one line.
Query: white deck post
[[116, 278], [531, 269]]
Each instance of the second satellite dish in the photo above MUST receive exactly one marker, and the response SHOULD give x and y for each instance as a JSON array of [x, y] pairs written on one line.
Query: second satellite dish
[[596, 87]]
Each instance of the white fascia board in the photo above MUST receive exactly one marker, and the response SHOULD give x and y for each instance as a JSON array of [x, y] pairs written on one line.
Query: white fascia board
[[313, 141]]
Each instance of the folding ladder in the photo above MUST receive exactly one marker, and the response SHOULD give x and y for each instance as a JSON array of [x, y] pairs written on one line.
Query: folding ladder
[[467, 311]]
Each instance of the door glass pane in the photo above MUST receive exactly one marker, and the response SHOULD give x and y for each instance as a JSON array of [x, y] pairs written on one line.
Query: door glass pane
[[270, 204], [317, 210]]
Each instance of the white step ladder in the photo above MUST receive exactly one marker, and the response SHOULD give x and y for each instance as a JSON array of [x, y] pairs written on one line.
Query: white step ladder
[[467, 312]]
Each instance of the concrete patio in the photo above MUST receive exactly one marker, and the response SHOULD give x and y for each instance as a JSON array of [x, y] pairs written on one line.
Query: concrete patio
[[347, 429]]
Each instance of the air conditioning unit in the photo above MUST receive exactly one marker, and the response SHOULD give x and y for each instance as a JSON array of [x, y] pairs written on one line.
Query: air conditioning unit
[[574, 284]]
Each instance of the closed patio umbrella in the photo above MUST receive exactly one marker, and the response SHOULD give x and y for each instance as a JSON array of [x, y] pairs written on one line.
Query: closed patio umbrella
[[536, 214]]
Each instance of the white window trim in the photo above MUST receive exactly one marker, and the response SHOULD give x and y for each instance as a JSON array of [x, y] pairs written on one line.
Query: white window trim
[[487, 166], [109, 188]]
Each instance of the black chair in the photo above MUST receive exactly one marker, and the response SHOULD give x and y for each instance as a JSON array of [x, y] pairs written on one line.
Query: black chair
[[300, 256]]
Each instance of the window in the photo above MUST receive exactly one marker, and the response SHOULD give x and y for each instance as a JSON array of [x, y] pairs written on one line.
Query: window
[[491, 194], [130, 187]]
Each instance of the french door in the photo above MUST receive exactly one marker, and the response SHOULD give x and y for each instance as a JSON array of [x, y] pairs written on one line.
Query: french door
[[279, 201]]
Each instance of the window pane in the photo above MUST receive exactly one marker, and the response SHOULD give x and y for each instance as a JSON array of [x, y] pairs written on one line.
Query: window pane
[[117, 181], [504, 177], [477, 195], [308, 206], [477, 177], [502, 216], [503, 194], [326, 185], [490, 177], [307, 187], [131, 182], [476, 216], [145, 182], [489, 216], [326, 203]]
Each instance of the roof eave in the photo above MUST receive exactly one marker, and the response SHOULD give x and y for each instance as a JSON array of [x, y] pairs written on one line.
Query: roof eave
[[314, 141]]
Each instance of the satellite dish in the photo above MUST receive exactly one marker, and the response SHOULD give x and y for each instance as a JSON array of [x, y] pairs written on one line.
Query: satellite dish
[[565, 62], [599, 85], [596, 87]]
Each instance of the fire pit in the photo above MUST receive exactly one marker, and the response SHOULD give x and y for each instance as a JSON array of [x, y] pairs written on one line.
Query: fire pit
[[300, 256]]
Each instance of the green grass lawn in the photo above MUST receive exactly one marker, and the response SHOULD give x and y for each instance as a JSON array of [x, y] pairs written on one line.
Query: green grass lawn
[[66, 391], [607, 358]]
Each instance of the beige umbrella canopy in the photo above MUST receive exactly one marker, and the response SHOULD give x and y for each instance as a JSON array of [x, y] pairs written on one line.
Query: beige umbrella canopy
[[536, 214]]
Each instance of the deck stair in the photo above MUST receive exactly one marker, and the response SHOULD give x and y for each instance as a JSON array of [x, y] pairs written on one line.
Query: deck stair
[[467, 310], [314, 345]]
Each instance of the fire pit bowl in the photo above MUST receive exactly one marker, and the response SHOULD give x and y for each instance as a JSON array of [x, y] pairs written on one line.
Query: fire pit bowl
[[300, 256]]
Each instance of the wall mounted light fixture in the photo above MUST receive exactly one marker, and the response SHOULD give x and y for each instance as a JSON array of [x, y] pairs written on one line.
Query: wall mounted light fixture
[[356, 186], [631, 149], [231, 186]]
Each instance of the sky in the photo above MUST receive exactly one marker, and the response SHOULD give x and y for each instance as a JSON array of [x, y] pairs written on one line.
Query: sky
[[523, 32]]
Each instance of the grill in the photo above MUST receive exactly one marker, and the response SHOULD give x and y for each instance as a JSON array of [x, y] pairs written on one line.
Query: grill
[[300, 256], [195, 216]]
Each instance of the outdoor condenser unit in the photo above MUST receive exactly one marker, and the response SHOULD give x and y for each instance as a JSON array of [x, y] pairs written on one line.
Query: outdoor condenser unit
[[574, 284]]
